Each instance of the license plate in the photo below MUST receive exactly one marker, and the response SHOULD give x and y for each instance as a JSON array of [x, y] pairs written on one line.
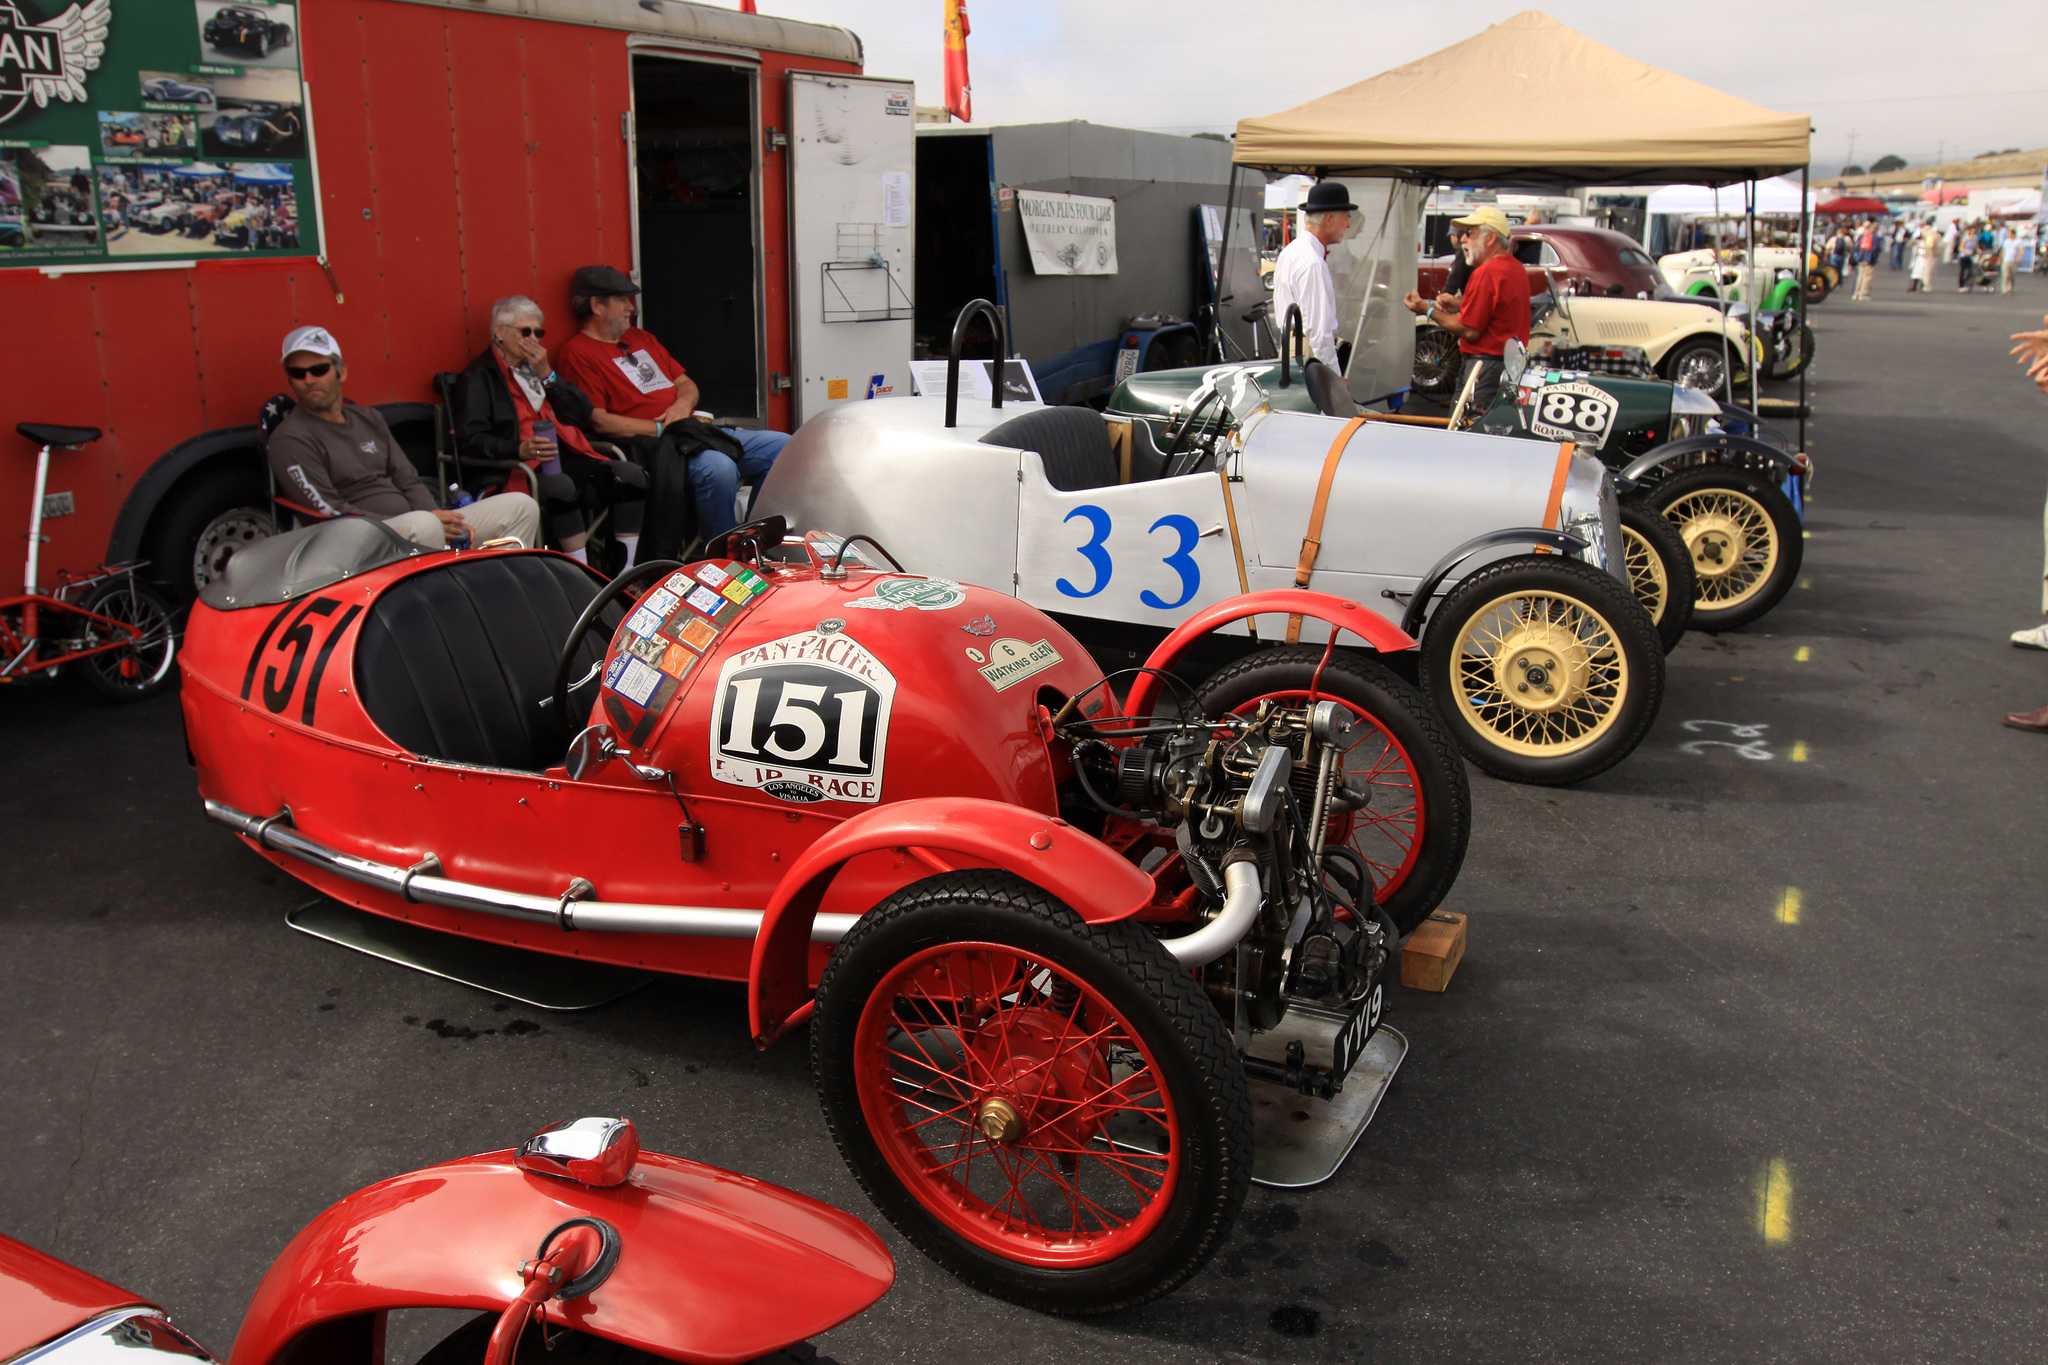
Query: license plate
[[1126, 363], [1358, 1029]]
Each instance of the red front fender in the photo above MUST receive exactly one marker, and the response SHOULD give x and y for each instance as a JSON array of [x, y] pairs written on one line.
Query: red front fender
[[1086, 874], [1340, 613], [713, 1266]]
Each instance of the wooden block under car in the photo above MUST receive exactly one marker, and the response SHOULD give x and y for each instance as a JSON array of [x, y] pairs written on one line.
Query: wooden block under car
[[1433, 951]]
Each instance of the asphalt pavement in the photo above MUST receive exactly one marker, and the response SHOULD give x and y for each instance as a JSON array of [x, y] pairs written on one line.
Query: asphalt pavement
[[1747, 1060]]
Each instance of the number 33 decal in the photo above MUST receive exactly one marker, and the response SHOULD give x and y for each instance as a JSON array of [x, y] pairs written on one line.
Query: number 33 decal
[[1181, 560]]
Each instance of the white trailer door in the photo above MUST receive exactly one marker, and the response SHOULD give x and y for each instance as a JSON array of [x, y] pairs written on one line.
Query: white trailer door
[[852, 159]]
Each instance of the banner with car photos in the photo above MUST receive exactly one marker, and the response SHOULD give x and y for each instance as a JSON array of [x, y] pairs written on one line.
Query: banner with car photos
[[139, 128]]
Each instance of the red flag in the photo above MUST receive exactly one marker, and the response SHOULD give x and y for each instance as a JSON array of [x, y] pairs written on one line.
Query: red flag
[[959, 96], [747, 7]]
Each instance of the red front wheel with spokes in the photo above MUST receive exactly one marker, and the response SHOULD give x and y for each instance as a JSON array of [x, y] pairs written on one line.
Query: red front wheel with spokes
[[1416, 816], [1050, 1110]]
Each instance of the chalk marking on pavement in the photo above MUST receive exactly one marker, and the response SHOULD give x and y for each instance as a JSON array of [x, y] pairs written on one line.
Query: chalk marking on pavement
[[1799, 751], [1753, 746], [1806, 582], [1788, 906], [1774, 1203], [1805, 655]]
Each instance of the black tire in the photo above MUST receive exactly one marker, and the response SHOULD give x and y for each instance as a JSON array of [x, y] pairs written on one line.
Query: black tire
[[1587, 625], [1789, 369], [1733, 596], [261, 46], [1817, 287], [1659, 570], [1437, 364], [201, 524], [1700, 362], [1404, 714], [134, 671], [1197, 1067]]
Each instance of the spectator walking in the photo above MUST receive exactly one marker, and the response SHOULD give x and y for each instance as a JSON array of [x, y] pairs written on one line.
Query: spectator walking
[[1926, 255], [1966, 260], [2008, 257], [1866, 258], [1901, 230]]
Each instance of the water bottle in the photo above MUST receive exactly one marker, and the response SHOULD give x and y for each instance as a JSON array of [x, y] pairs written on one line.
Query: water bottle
[[461, 498]]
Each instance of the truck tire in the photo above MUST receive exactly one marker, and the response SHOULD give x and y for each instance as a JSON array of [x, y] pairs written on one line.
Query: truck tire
[[1743, 536], [202, 523], [1546, 669]]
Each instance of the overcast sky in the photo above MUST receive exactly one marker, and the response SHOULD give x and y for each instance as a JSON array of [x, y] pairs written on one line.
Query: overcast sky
[[1910, 79]]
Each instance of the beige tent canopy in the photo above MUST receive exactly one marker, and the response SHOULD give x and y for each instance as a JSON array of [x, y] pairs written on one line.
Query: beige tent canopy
[[1528, 101]]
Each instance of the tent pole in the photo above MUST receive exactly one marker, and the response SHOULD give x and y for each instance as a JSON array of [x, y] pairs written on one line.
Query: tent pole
[[1223, 264], [1805, 234], [1754, 303]]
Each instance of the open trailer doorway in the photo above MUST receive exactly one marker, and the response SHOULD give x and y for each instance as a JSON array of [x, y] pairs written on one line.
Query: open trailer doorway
[[698, 185]]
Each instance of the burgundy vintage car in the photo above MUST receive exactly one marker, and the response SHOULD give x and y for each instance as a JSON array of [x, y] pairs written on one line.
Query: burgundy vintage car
[[1593, 260]]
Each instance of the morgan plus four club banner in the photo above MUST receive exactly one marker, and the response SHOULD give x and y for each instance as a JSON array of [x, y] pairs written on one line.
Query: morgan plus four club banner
[[1069, 234], [132, 129]]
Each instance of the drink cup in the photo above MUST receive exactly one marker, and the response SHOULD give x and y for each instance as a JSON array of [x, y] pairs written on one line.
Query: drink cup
[[545, 431]]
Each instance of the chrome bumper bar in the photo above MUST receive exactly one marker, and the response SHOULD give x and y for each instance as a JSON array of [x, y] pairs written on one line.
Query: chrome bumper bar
[[572, 909]]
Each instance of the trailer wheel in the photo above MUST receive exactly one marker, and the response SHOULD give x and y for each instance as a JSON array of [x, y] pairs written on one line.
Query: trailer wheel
[[1049, 1109], [1546, 669], [203, 523]]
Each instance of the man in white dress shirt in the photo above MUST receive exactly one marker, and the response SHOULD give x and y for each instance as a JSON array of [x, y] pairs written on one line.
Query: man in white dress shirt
[[1302, 274]]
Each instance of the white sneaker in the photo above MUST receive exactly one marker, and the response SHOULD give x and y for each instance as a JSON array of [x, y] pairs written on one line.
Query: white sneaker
[[2037, 638]]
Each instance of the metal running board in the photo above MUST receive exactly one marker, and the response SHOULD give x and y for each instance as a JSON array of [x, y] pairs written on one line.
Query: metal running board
[[1299, 1141], [542, 980]]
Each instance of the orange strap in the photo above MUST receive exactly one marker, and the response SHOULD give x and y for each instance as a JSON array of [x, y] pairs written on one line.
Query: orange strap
[[1564, 468], [1312, 543]]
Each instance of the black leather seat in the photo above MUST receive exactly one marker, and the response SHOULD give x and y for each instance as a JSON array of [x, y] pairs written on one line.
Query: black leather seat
[[43, 434], [1073, 442], [453, 662]]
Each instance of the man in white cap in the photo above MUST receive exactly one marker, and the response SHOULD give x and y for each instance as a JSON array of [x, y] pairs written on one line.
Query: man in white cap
[[1302, 274], [1494, 307], [337, 458]]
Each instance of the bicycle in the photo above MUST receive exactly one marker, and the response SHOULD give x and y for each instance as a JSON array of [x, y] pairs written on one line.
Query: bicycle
[[118, 630]]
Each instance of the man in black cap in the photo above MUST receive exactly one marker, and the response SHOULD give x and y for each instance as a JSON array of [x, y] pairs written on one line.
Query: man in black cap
[[1302, 274], [642, 398]]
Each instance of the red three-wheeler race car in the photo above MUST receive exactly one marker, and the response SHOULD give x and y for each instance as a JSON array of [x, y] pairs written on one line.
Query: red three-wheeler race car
[[577, 1247], [1046, 942]]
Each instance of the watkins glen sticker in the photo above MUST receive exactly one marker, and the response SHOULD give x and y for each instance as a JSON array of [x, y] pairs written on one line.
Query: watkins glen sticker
[[901, 594], [1012, 661], [804, 718]]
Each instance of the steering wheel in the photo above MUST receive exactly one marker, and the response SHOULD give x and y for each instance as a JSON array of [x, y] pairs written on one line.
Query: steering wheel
[[1168, 469], [605, 598]]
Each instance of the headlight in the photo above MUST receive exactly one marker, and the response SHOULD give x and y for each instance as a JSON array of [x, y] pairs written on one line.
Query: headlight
[[1590, 511]]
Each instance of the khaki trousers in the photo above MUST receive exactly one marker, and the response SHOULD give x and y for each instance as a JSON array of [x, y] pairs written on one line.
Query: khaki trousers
[[1864, 272], [502, 514]]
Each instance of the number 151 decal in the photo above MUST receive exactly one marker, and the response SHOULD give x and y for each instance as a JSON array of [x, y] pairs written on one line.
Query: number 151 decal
[[804, 718]]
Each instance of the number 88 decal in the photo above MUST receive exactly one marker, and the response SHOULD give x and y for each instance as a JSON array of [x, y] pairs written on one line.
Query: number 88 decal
[[1572, 412]]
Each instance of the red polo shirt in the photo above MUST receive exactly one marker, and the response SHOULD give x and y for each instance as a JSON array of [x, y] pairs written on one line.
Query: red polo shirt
[[1497, 304], [635, 376]]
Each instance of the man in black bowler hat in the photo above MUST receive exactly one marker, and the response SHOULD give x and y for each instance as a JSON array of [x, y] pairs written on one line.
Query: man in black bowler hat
[[1302, 274]]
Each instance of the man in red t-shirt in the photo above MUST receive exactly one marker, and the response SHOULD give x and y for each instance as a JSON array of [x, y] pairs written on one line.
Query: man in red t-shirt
[[1495, 305], [638, 392]]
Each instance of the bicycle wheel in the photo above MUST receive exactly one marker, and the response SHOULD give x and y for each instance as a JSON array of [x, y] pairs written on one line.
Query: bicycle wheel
[[144, 666]]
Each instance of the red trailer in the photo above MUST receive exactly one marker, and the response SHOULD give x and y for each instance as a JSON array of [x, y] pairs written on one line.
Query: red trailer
[[457, 151]]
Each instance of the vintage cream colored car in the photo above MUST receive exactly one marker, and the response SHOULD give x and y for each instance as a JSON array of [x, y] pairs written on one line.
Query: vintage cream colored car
[[1695, 344], [1772, 283]]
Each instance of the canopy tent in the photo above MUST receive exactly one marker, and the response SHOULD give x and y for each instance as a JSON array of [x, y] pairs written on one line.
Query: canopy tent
[[263, 173], [1852, 204], [1776, 197], [199, 170], [1528, 101]]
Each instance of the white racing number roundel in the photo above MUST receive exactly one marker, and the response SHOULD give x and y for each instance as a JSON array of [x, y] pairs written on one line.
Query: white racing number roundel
[[804, 718], [1577, 411]]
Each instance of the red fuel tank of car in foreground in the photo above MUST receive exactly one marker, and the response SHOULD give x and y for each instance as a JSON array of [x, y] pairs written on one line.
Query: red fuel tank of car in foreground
[[713, 1267], [41, 1297]]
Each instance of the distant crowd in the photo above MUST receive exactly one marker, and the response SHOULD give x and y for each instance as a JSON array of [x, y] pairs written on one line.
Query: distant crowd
[[1986, 253]]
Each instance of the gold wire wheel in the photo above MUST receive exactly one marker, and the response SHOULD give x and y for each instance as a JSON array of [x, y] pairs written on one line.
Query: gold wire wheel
[[1646, 576], [1733, 545], [1539, 673]]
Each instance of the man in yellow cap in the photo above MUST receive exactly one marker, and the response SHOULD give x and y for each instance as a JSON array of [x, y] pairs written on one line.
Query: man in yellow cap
[[1495, 305]]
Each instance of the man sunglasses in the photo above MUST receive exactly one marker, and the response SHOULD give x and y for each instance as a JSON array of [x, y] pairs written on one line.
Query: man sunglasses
[[309, 371]]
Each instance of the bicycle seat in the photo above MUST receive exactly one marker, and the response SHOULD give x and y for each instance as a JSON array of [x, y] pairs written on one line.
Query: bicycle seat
[[45, 435], [1262, 312]]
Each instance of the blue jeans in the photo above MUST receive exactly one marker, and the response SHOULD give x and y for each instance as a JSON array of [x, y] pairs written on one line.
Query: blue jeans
[[716, 477]]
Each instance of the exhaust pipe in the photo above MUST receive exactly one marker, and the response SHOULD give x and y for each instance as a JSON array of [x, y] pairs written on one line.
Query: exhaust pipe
[[575, 908]]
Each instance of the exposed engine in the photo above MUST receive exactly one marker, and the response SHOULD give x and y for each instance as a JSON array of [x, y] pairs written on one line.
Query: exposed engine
[[1274, 915]]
